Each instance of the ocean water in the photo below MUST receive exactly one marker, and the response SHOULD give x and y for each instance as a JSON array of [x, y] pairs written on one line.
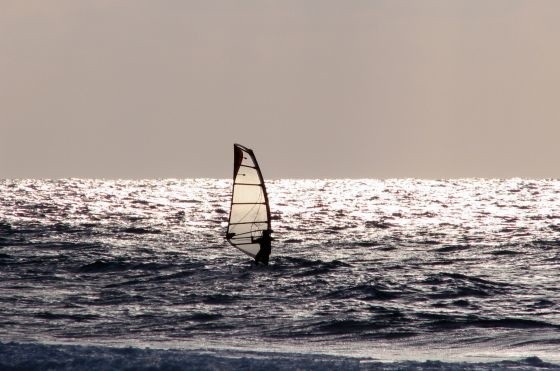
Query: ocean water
[[361, 272]]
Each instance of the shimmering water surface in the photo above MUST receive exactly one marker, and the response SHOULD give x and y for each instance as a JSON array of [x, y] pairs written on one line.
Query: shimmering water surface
[[395, 267]]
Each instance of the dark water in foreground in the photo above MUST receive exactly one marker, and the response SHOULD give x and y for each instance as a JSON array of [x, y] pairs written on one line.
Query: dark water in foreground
[[397, 269]]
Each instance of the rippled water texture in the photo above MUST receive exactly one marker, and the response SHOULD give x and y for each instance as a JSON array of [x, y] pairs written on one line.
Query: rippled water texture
[[470, 265]]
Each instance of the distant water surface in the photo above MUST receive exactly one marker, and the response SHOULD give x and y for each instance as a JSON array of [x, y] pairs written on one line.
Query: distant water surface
[[395, 269]]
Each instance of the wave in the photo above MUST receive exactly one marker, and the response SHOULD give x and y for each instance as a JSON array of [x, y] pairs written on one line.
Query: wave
[[445, 277], [453, 248], [293, 240], [547, 244], [455, 285], [65, 316], [139, 230], [353, 327], [220, 299], [366, 243], [366, 292], [505, 252], [378, 224], [100, 266], [204, 317], [5, 229], [301, 267], [154, 272], [16, 356], [460, 292], [514, 323], [444, 322]]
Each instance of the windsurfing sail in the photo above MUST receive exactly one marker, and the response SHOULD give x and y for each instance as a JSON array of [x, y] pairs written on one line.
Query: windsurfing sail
[[249, 214]]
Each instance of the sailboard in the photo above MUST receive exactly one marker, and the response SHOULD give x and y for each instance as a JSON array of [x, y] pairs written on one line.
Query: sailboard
[[249, 214]]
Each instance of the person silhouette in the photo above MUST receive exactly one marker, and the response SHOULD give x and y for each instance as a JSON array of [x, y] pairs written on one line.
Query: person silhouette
[[265, 246]]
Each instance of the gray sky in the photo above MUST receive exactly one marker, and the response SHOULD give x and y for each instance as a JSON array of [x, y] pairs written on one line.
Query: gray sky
[[323, 88]]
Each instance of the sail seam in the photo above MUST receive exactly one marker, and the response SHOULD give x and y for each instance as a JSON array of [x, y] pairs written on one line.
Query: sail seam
[[254, 222]]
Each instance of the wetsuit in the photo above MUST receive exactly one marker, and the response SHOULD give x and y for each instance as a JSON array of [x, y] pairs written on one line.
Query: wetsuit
[[265, 247]]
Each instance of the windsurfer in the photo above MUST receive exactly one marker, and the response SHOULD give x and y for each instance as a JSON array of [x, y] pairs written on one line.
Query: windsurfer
[[265, 244]]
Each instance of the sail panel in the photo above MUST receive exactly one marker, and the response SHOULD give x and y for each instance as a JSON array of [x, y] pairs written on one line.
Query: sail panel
[[249, 249], [247, 175], [248, 194], [249, 213], [247, 156], [247, 230]]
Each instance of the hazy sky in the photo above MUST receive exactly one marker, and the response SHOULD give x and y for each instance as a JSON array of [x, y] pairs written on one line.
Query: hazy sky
[[322, 88]]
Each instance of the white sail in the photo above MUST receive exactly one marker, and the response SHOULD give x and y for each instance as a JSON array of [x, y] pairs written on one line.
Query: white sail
[[249, 214]]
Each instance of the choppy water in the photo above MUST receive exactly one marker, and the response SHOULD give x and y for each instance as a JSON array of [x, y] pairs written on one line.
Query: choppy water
[[401, 268]]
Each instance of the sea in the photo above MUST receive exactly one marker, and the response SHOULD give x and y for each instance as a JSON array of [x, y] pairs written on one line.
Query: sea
[[364, 274]]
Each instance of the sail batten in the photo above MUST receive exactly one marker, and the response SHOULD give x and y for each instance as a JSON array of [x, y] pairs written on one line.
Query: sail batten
[[249, 203], [257, 222], [249, 212]]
